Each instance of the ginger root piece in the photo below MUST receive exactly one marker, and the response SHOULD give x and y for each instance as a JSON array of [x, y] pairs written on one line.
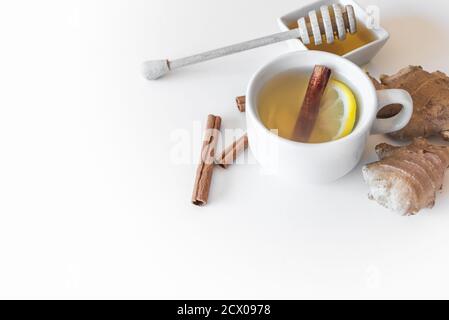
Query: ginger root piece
[[430, 93], [406, 179]]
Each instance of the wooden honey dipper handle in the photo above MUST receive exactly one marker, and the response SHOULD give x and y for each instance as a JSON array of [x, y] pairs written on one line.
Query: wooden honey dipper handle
[[312, 27]]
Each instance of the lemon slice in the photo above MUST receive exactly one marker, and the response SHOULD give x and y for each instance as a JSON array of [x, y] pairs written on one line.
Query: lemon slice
[[337, 115]]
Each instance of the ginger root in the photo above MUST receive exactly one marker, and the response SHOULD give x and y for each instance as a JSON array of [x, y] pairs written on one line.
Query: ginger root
[[406, 179], [430, 93]]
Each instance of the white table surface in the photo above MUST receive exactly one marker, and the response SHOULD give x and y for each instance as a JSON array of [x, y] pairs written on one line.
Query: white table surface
[[91, 205]]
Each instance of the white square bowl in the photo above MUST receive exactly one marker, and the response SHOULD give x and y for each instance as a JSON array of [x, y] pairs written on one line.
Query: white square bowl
[[360, 56]]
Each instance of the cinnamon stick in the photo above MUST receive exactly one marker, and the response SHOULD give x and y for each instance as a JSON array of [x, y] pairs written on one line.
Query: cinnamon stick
[[241, 103], [311, 105], [205, 168], [231, 153]]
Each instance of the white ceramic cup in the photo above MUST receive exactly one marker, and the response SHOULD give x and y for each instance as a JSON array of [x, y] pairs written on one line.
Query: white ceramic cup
[[322, 162]]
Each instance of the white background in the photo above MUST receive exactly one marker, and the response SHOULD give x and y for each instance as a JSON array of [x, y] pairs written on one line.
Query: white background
[[92, 207]]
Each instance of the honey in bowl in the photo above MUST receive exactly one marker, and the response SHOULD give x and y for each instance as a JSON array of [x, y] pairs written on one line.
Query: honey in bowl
[[362, 37], [280, 101]]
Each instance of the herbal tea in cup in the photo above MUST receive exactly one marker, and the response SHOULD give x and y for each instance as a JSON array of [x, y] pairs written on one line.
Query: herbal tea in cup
[[281, 99], [314, 163]]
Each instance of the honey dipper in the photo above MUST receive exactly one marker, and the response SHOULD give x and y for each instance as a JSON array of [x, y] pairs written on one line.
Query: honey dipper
[[332, 22]]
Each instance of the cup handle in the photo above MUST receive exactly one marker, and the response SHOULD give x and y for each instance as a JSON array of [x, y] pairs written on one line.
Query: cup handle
[[399, 121]]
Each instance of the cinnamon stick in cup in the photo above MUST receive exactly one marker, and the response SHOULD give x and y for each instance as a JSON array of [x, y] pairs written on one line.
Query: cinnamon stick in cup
[[205, 168], [231, 153], [311, 105]]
